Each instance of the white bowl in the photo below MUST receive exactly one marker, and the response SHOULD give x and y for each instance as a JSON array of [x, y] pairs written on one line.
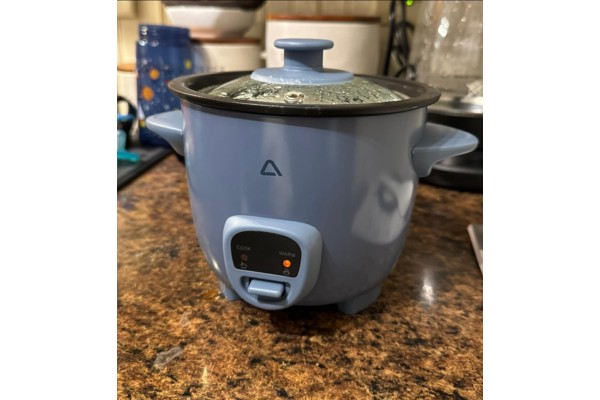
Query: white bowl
[[212, 22]]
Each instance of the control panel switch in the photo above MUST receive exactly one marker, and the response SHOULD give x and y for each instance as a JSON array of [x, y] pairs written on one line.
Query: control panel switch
[[265, 288]]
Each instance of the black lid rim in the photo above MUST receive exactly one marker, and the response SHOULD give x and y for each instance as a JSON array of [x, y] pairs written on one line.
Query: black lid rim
[[187, 88]]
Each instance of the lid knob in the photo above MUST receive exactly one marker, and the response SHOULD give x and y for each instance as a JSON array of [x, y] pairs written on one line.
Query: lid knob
[[303, 53], [302, 64]]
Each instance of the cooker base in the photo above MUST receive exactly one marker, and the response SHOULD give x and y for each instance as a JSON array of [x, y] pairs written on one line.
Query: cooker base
[[229, 293], [360, 302], [350, 307]]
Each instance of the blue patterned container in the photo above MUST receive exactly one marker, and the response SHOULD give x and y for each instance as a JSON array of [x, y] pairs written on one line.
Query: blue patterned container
[[162, 53]]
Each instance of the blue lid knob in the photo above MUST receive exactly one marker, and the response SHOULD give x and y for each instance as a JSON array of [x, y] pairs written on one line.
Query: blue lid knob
[[304, 44], [302, 64], [303, 53]]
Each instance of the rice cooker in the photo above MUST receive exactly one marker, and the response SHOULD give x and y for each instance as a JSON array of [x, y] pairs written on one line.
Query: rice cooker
[[302, 179]]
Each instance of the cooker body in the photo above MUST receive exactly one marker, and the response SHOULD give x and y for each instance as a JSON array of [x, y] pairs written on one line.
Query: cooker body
[[350, 178]]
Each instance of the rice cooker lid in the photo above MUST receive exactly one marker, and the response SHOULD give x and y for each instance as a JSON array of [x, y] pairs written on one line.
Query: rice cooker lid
[[303, 87]]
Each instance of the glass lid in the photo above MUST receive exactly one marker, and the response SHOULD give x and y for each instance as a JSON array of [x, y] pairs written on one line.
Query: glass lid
[[303, 87], [356, 91], [303, 80]]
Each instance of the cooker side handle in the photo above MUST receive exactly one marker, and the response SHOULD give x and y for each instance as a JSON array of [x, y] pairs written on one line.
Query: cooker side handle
[[169, 126], [439, 142]]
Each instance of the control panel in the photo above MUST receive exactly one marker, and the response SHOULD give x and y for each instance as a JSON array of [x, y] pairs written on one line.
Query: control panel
[[266, 252], [271, 263]]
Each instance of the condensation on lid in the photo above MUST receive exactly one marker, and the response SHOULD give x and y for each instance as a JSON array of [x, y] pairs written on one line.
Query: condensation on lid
[[356, 91]]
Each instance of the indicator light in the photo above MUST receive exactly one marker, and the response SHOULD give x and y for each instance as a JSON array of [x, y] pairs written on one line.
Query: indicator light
[[244, 257], [287, 263]]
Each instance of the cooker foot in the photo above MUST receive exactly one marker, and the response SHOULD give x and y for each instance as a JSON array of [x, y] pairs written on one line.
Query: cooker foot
[[359, 302], [229, 293]]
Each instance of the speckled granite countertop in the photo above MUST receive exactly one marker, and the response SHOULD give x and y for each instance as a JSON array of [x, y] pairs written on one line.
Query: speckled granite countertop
[[179, 339]]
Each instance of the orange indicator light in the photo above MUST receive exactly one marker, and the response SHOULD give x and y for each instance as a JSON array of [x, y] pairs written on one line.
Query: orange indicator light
[[287, 263]]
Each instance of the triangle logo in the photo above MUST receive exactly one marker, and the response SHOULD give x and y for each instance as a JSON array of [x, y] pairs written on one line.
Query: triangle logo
[[274, 171]]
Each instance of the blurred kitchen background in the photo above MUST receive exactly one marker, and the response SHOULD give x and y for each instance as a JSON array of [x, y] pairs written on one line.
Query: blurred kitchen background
[[132, 13], [435, 42]]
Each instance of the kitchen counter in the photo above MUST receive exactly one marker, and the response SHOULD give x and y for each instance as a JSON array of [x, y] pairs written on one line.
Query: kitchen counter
[[178, 338]]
